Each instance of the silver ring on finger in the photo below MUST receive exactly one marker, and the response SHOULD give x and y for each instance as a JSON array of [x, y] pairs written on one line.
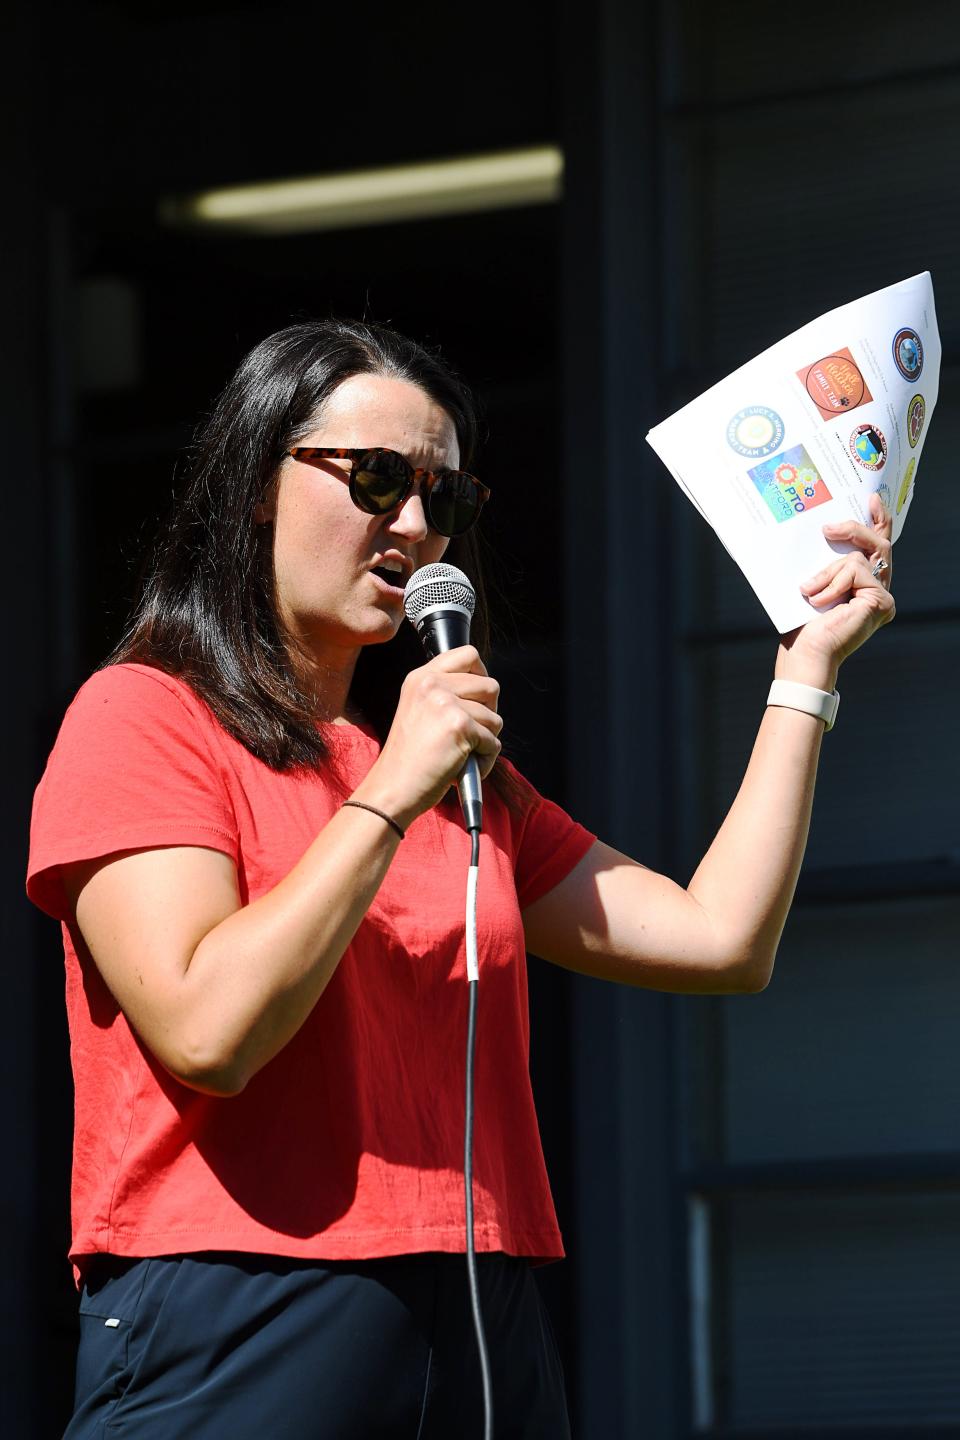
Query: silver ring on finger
[[879, 568]]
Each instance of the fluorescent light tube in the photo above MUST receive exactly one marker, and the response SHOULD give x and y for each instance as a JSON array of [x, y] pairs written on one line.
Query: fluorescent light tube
[[377, 197]]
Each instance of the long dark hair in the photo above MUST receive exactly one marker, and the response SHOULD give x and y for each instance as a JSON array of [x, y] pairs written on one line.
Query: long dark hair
[[207, 612]]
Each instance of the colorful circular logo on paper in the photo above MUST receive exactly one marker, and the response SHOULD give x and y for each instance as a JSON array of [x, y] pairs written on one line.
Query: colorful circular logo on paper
[[908, 354], [916, 414], [755, 431], [907, 483], [884, 491], [835, 384], [868, 446]]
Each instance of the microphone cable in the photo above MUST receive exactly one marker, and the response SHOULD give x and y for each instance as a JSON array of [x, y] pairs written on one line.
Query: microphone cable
[[439, 602], [473, 981]]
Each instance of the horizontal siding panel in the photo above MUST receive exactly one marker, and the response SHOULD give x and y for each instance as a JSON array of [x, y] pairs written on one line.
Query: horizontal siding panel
[[840, 1309], [813, 205], [855, 1039], [887, 791], [754, 50]]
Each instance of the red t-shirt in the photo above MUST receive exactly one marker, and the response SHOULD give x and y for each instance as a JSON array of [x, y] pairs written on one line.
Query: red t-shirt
[[348, 1144]]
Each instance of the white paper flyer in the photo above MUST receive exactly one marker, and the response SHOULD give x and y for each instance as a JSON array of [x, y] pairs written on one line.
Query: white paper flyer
[[799, 437]]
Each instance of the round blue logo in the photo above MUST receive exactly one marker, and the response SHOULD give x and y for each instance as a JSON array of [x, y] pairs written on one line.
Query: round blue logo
[[908, 354], [755, 431]]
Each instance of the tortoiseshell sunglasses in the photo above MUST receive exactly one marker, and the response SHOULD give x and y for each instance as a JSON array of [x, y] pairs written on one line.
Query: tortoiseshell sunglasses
[[380, 480]]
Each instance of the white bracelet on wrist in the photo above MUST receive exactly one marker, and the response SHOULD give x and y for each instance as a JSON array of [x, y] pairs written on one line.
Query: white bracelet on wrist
[[824, 704]]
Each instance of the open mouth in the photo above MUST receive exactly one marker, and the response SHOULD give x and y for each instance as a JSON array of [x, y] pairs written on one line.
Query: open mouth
[[389, 576]]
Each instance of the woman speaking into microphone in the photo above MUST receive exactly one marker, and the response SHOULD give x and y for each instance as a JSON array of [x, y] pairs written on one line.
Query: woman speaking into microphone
[[249, 831]]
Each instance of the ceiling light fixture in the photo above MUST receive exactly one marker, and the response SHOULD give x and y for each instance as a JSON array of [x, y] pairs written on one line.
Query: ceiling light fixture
[[495, 181]]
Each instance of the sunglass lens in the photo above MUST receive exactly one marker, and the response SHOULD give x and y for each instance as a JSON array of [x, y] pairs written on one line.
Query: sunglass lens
[[454, 503], [380, 481]]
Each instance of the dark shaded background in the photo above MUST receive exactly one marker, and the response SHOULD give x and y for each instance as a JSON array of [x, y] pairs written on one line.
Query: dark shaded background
[[760, 1197]]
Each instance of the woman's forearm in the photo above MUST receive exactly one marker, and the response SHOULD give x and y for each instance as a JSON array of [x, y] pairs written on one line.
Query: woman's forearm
[[746, 880]]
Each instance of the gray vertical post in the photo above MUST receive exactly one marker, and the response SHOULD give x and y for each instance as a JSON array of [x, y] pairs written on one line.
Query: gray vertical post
[[618, 667]]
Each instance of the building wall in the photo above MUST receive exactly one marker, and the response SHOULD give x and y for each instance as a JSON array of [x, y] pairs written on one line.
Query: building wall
[[769, 1186]]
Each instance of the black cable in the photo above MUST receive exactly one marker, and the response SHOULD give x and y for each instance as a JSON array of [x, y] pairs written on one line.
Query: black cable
[[468, 1188]]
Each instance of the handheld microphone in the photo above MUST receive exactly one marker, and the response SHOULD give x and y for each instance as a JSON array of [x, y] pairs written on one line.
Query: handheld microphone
[[439, 602]]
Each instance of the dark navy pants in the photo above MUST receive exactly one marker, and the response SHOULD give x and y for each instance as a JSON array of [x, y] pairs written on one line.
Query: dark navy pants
[[252, 1347]]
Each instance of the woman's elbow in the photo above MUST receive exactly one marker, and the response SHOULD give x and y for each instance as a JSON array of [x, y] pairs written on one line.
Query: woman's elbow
[[207, 1070], [753, 982], [748, 974], [221, 1084]]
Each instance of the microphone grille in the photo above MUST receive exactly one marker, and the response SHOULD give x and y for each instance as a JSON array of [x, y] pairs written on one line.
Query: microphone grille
[[434, 585]]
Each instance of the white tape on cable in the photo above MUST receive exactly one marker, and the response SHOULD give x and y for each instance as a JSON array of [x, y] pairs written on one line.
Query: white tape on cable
[[473, 968]]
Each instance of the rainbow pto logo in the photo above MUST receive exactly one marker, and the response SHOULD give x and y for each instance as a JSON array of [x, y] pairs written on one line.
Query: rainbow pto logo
[[789, 483]]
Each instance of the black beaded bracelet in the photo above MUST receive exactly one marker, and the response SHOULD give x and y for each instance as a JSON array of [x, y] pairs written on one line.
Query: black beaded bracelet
[[359, 805]]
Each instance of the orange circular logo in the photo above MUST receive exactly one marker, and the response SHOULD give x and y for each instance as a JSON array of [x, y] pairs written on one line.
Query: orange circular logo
[[835, 383]]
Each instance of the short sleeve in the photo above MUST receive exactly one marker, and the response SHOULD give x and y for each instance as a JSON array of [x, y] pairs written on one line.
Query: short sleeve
[[132, 767], [549, 843]]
